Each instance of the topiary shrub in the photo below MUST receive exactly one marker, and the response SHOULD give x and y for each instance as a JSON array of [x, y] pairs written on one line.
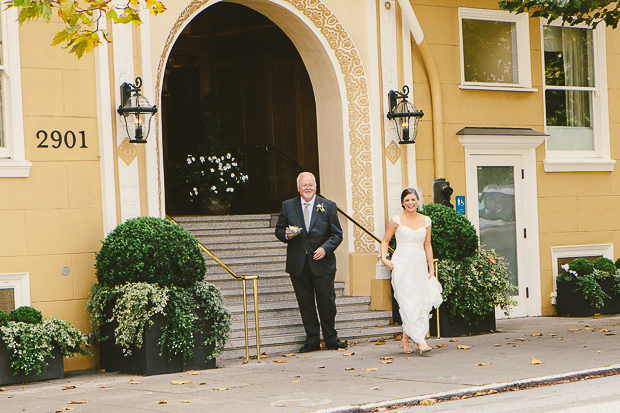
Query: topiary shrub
[[453, 237], [4, 318], [581, 266], [150, 250], [605, 265], [26, 315], [618, 263]]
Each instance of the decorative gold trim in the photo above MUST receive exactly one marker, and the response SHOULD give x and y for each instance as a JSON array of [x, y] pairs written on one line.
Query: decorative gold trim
[[392, 152], [127, 151], [357, 95]]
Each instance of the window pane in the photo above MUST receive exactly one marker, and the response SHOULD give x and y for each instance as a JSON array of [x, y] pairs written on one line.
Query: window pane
[[569, 120], [490, 51], [568, 57], [7, 299]]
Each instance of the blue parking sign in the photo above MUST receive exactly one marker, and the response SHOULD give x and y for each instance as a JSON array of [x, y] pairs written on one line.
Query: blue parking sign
[[460, 204]]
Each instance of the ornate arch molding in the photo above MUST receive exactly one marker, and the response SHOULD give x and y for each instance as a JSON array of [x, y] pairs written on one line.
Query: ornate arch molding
[[357, 97]]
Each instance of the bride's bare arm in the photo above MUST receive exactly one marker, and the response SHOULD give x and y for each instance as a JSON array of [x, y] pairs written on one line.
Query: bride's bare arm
[[428, 249], [389, 233]]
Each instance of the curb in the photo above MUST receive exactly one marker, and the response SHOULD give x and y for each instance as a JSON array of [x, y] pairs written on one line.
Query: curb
[[482, 390]]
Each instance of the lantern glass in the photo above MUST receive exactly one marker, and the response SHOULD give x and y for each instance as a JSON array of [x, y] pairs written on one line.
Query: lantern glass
[[406, 122], [137, 115]]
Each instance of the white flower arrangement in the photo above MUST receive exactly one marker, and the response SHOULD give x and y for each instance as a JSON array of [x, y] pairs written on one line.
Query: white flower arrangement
[[320, 208]]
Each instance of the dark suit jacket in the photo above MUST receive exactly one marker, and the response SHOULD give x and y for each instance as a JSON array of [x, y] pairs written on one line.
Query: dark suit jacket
[[325, 231]]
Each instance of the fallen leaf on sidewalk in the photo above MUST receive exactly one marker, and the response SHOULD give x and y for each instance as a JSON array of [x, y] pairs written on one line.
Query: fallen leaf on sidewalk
[[602, 330], [178, 382], [342, 349], [497, 345], [221, 388], [349, 368], [588, 328], [610, 334], [428, 402], [371, 369], [552, 335], [185, 401], [379, 343], [462, 347], [387, 362], [453, 340], [348, 354], [381, 409], [68, 387], [321, 367], [307, 357], [202, 384], [193, 373], [295, 381], [398, 336], [134, 382], [64, 409], [409, 358], [575, 329], [289, 355], [2, 389], [279, 361], [598, 351], [483, 364], [537, 335], [264, 355], [521, 339], [106, 387], [534, 361], [78, 402], [374, 388], [386, 358], [163, 401], [440, 345]]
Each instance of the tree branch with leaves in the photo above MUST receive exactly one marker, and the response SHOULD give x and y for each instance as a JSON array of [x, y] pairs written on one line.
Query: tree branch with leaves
[[85, 20], [571, 12]]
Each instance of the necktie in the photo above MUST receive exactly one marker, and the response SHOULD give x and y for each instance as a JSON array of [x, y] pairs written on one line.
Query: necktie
[[307, 215]]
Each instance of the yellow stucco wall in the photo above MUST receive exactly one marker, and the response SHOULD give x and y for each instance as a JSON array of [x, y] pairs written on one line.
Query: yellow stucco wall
[[53, 218]]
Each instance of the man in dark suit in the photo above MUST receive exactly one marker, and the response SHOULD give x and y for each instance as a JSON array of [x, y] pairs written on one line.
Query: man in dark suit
[[309, 226]]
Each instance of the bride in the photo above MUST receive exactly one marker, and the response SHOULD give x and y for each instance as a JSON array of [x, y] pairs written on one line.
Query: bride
[[415, 287]]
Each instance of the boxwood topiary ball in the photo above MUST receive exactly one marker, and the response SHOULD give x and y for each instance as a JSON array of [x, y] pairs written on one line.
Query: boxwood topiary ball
[[581, 266], [453, 236], [26, 315], [618, 263], [604, 264], [151, 250], [4, 318]]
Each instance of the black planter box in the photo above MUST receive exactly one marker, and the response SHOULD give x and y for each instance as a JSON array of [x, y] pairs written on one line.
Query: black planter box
[[570, 300], [55, 368], [147, 361], [449, 328]]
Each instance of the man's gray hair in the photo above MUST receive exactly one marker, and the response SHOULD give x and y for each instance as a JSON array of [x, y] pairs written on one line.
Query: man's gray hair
[[306, 173]]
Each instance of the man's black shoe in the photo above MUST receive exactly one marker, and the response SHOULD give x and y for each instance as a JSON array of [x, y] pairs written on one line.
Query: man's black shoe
[[336, 345], [310, 347]]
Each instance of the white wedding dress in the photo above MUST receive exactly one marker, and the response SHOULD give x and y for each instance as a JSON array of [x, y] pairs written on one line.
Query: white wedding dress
[[415, 292]]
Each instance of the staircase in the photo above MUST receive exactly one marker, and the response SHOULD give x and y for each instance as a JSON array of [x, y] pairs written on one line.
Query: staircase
[[247, 244]]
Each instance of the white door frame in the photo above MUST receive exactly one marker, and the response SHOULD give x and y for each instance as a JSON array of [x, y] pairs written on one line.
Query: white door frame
[[522, 145]]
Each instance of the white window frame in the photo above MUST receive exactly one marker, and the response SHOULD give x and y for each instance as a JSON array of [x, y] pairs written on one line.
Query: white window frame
[[523, 49], [599, 159], [20, 284], [576, 251], [13, 162]]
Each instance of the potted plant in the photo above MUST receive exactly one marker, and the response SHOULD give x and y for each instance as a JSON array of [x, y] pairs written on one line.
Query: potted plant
[[211, 176], [586, 288], [474, 279], [151, 309], [32, 348]]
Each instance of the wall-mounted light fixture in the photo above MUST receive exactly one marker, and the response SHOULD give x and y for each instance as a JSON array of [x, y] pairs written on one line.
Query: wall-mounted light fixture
[[136, 112], [402, 113]]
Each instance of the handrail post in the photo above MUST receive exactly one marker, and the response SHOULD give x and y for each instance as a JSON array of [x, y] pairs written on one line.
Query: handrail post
[[256, 318], [436, 264], [245, 320]]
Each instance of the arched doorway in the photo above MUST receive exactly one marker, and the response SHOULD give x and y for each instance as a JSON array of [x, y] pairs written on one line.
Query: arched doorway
[[236, 59]]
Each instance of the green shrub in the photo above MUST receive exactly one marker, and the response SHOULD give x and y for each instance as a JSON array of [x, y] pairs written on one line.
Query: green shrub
[[26, 315], [581, 266], [453, 237], [605, 265], [4, 318], [151, 250], [618, 263], [591, 290]]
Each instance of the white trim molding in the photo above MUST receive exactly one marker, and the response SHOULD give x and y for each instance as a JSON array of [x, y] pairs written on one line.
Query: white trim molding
[[522, 38], [20, 284]]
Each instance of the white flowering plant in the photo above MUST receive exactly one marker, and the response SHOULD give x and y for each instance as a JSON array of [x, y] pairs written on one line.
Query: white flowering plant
[[211, 172]]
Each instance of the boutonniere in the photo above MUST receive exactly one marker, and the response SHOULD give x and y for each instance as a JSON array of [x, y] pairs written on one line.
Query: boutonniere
[[320, 208]]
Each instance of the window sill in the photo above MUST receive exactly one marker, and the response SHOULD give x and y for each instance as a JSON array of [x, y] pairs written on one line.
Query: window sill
[[578, 165], [14, 169], [498, 88]]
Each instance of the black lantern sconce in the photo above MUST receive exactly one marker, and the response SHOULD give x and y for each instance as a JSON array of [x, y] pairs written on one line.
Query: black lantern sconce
[[136, 112], [402, 113]]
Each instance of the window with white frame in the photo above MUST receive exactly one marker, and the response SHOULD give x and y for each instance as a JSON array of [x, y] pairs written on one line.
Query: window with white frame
[[13, 162], [575, 96], [565, 254], [494, 50]]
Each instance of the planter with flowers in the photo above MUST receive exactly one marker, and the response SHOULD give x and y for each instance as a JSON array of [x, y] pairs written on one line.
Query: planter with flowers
[[211, 177], [587, 288], [32, 348]]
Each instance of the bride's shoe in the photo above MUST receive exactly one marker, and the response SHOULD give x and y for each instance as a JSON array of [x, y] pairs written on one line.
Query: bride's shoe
[[406, 346], [423, 350]]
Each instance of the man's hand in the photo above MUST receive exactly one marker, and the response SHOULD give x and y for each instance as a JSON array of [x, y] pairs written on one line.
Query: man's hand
[[319, 253], [289, 234]]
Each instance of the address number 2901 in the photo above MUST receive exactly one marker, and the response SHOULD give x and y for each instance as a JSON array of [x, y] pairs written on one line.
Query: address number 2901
[[70, 139]]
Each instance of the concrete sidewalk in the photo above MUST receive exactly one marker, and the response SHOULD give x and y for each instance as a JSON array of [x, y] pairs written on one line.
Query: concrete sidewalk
[[335, 381]]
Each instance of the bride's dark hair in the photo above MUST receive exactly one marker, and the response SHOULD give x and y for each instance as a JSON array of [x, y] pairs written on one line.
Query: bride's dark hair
[[413, 191]]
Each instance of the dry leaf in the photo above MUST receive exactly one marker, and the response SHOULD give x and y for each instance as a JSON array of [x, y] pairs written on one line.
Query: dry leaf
[[78, 402], [221, 388], [349, 368], [2, 389], [348, 354], [371, 369], [307, 357], [321, 367], [374, 388], [185, 401], [598, 351], [588, 328], [379, 343], [290, 355], [409, 358], [552, 335], [537, 335], [603, 330], [483, 364], [106, 387], [521, 339], [453, 340], [163, 401], [381, 409], [534, 361], [379, 325], [610, 334], [68, 387], [296, 381], [135, 382], [193, 373], [497, 345], [203, 384], [387, 362], [560, 338], [342, 349], [462, 347], [574, 329], [428, 402], [386, 358], [440, 345], [279, 361], [176, 382]]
